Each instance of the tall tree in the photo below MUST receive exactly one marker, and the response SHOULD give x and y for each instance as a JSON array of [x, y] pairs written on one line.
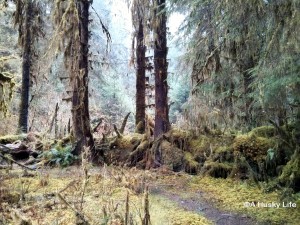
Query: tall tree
[[72, 18], [80, 99], [139, 16], [25, 39], [28, 19], [162, 124]]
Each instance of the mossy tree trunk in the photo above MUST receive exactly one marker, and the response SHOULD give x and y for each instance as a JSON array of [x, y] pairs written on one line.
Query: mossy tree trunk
[[140, 78], [26, 65], [80, 99], [161, 70]]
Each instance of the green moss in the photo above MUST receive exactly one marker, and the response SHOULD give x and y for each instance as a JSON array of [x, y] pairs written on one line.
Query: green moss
[[172, 156], [177, 133], [222, 149], [264, 131], [229, 194], [126, 141], [253, 147], [12, 138], [291, 172], [191, 165], [200, 145], [216, 169]]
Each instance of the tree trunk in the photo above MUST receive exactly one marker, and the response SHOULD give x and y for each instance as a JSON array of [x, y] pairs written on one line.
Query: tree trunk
[[80, 101], [140, 78], [161, 71], [26, 64]]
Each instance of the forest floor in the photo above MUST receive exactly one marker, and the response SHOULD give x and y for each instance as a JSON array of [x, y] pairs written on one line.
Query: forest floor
[[56, 195]]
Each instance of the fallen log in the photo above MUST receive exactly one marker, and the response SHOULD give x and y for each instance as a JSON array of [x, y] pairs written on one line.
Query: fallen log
[[6, 157], [18, 151]]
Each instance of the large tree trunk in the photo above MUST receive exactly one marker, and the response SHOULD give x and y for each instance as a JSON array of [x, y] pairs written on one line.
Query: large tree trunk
[[140, 79], [80, 101], [161, 71], [26, 64]]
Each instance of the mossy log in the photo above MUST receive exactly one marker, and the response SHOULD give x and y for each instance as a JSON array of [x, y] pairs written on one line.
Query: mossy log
[[18, 151], [7, 139]]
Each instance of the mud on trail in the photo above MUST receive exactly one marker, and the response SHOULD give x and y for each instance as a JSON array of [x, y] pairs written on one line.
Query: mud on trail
[[199, 202]]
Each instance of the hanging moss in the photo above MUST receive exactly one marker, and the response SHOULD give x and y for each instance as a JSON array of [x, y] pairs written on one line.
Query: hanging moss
[[179, 138], [190, 164], [200, 147]]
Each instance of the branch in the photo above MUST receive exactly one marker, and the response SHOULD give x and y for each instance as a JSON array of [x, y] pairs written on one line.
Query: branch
[[105, 30], [117, 131], [80, 215], [95, 128], [124, 123]]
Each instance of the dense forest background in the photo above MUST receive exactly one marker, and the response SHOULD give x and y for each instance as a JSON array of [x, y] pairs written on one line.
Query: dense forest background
[[209, 87]]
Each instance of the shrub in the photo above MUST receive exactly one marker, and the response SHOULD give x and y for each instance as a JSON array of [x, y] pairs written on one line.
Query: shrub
[[61, 156]]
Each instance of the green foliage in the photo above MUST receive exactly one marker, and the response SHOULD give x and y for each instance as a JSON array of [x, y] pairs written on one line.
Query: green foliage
[[61, 156], [257, 47], [178, 96]]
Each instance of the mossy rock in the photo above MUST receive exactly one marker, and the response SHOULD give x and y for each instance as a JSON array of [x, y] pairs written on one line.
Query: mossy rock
[[264, 131], [216, 169], [254, 148]]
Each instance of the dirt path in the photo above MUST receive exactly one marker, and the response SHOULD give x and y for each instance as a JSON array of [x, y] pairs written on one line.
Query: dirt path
[[197, 202]]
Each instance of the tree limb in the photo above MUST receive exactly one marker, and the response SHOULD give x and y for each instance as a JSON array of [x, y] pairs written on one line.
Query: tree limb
[[124, 123]]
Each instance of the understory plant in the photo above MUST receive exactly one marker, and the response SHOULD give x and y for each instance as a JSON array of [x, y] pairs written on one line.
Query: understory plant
[[58, 155]]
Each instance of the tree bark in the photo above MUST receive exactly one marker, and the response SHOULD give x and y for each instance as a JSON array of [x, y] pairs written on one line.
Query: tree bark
[[140, 78], [26, 64], [161, 71], [80, 100]]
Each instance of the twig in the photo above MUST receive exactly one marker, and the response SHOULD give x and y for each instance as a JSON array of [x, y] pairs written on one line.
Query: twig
[[80, 215]]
